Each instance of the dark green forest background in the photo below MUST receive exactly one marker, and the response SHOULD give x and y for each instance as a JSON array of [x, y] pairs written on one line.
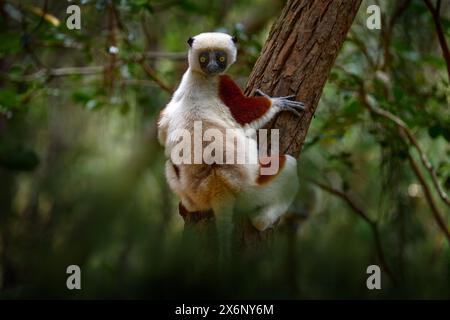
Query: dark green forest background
[[81, 171]]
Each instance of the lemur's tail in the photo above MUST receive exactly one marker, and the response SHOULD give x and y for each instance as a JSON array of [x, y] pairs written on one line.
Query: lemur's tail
[[223, 211]]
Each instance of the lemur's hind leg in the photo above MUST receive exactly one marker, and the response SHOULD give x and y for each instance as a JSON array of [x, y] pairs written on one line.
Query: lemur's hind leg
[[268, 216], [275, 193]]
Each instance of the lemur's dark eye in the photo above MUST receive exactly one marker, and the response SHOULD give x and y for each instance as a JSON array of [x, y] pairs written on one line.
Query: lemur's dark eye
[[203, 57], [221, 57]]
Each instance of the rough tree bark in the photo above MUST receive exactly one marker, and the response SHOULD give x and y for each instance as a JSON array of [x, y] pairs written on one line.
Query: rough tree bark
[[296, 59]]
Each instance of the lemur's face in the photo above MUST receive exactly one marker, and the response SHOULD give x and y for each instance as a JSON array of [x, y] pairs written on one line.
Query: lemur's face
[[213, 62], [211, 53]]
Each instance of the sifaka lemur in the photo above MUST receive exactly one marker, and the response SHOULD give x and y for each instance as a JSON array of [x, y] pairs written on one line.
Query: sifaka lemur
[[207, 95]]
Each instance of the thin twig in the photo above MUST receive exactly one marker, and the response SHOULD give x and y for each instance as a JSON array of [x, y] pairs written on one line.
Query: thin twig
[[387, 32], [110, 67], [407, 131], [360, 212], [436, 213], [62, 72], [435, 13], [141, 60], [361, 46], [347, 199], [152, 74], [90, 70], [42, 17], [180, 56], [399, 122], [404, 128], [412, 139]]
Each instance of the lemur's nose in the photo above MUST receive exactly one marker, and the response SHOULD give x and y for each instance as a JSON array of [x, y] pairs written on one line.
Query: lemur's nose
[[212, 67]]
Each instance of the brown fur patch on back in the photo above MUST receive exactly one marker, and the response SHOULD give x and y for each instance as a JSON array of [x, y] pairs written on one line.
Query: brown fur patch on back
[[244, 109]]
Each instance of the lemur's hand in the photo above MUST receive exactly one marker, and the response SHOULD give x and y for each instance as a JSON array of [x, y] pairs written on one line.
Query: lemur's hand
[[284, 103]]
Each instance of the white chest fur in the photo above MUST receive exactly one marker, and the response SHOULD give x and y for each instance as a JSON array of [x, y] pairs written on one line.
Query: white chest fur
[[196, 99]]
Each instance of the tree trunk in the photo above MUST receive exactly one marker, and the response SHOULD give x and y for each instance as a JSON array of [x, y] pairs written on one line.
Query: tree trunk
[[296, 59]]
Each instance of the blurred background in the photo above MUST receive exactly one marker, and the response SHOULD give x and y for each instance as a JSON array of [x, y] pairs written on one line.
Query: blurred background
[[81, 171]]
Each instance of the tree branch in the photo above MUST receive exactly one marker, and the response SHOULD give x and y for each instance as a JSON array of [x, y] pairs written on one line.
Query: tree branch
[[177, 56], [94, 70], [412, 140], [406, 134], [360, 212], [153, 75], [435, 12], [434, 209], [386, 33], [402, 127]]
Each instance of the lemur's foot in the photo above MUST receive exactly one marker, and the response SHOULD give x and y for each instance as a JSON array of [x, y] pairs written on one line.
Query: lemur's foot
[[285, 103], [288, 105], [261, 222], [259, 92]]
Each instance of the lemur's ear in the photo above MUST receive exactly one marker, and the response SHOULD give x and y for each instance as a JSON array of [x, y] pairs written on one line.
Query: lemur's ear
[[190, 41], [235, 39]]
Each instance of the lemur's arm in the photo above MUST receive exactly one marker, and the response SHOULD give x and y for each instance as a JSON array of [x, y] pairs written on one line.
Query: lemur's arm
[[256, 111]]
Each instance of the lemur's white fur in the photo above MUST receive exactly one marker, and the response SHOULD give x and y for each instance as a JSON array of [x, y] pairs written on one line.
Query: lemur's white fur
[[223, 188]]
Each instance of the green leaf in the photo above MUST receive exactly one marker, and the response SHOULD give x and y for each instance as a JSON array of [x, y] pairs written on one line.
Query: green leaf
[[18, 157], [8, 98], [398, 93], [9, 43], [84, 95], [446, 133], [435, 131], [447, 183]]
